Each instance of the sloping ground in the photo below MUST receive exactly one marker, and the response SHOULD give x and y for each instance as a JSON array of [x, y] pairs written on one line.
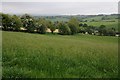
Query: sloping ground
[[47, 56]]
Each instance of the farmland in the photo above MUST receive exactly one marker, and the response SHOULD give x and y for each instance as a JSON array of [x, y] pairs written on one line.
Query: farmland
[[56, 56], [107, 24], [109, 21]]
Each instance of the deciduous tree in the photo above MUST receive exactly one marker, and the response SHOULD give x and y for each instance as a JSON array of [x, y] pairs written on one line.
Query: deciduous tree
[[73, 25]]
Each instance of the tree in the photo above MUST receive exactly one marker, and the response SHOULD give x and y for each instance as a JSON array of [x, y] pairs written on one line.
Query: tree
[[80, 24], [52, 27], [111, 32], [73, 25], [6, 22], [16, 23], [56, 24], [0, 21], [82, 30], [64, 29], [90, 29], [28, 22], [42, 29], [42, 26], [85, 25], [12, 23], [102, 30]]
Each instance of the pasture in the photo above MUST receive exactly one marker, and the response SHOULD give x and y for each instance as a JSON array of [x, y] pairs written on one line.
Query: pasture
[[110, 22], [107, 24], [56, 56]]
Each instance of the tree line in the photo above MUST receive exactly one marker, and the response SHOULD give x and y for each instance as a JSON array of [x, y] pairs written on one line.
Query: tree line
[[32, 25]]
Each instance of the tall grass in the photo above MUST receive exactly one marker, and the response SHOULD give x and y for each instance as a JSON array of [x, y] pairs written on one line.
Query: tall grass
[[56, 56]]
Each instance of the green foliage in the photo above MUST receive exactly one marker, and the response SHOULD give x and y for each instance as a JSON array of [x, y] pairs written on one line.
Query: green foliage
[[107, 31], [16, 23], [52, 27], [102, 30], [6, 22], [85, 25], [56, 24], [107, 24], [64, 29], [85, 28], [73, 25], [42, 26], [56, 56], [12, 23], [42, 29], [28, 22], [111, 32], [80, 24], [82, 30], [90, 29], [0, 21]]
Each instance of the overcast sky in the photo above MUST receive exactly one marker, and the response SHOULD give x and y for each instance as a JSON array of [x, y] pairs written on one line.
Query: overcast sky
[[60, 8], [60, 0]]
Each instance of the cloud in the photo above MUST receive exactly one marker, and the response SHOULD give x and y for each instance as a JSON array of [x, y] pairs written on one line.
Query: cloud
[[59, 7]]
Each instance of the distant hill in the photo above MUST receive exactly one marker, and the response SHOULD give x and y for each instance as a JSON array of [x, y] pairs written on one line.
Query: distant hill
[[92, 20]]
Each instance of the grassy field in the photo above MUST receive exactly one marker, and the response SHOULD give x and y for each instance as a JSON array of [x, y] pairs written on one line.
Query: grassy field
[[99, 18], [56, 56], [107, 24], [58, 19], [112, 22]]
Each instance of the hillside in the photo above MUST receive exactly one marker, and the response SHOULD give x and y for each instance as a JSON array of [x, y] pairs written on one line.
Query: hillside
[[92, 20], [55, 56]]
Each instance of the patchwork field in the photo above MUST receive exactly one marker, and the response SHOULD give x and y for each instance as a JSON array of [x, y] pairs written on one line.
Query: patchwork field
[[110, 22], [57, 56], [107, 24]]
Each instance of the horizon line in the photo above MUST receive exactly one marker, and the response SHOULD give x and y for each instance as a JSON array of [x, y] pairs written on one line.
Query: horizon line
[[58, 14]]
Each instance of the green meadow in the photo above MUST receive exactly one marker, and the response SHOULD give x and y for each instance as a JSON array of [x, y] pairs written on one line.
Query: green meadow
[[56, 56], [107, 24], [110, 22]]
